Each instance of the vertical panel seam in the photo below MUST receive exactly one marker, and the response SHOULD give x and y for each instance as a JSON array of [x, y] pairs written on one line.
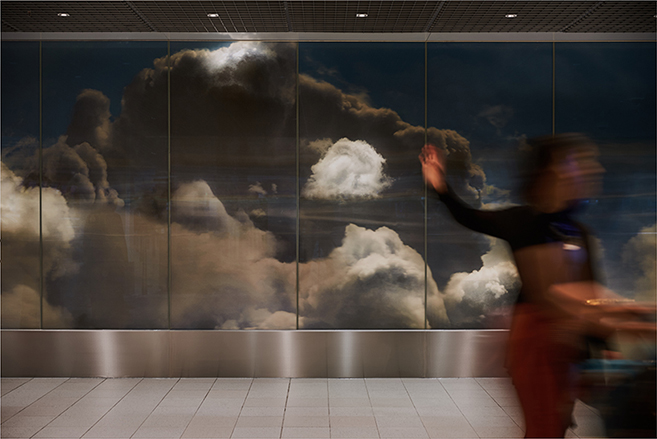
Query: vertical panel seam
[[426, 123], [169, 277], [553, 88], [297, 195], [426, 210], [41, 273]]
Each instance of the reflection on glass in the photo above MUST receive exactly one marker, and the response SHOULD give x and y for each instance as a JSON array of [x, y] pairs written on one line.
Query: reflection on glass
[[104, 185], [483, 100], [233, 173], [21, 279], [361, 227]]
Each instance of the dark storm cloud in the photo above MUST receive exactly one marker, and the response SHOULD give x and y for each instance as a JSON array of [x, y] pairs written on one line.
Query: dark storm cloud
[[90, 122], [235, 107]]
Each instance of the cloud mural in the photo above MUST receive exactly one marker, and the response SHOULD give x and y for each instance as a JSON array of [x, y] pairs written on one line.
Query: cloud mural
[[227, 272], [233, 207], [372, 280], [20, 226], [639, 256], [347, 169], [482, 298]]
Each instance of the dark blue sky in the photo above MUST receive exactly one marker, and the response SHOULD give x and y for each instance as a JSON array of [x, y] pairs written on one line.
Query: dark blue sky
[[70, 67], [20, 90], [391, 74]]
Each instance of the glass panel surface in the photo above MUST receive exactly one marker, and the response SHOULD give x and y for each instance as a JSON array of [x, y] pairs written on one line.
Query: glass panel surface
[[361, 233], [105, 166], [484, 99], [607, 91], [21, 279], [233, 173]]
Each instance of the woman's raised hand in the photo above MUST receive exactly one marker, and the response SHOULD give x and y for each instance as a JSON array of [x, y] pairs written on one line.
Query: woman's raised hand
[[433, 168]]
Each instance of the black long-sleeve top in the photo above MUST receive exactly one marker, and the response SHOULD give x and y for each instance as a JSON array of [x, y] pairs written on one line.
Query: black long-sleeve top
[[548, 248]]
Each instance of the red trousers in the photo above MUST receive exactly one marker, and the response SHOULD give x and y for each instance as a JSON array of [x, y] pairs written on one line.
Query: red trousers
[[540, 369]]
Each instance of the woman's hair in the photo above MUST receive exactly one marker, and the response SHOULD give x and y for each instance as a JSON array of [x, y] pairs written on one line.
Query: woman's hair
[[541, 154]]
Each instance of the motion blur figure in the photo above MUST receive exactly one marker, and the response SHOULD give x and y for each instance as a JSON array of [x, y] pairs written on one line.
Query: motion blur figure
[[560, 306]]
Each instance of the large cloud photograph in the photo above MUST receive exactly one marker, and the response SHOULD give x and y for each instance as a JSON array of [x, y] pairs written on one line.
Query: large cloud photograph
[[233, 186]]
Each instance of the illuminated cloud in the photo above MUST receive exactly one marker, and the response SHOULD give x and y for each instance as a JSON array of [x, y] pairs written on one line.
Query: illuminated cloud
[[21, 248], [373, 280], [348, 169], [20, 210], [473, 299]]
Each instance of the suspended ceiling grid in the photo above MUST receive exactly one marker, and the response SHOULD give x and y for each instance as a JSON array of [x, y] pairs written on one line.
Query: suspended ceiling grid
[[392, 16]]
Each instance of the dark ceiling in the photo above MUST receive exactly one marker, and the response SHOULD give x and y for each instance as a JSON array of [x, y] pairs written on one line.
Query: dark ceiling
[[399, 16]]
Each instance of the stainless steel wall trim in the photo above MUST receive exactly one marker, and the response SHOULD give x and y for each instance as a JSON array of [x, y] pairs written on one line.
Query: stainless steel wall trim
[[312, 36], [299, 354]]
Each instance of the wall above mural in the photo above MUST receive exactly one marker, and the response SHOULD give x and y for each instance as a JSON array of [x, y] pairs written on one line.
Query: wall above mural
[[261, 185]]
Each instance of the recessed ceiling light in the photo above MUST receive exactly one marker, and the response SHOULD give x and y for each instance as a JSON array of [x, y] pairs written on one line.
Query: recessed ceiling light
[[213, 15], [361, 15], [511, 15], [63, 14]]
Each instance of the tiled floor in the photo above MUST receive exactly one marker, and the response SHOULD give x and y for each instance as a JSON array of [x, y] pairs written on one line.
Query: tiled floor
[[267, 408]]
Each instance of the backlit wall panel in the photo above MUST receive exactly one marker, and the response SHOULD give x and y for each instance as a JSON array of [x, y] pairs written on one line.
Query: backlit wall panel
[[264, 185]]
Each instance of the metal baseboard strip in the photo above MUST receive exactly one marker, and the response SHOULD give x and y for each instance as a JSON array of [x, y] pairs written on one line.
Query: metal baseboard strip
[[295, 354]]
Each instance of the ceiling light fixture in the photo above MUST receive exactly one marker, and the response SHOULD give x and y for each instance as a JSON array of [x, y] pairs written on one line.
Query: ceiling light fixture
[[213, 15], [63, 14], [511, 15], [361, 15]]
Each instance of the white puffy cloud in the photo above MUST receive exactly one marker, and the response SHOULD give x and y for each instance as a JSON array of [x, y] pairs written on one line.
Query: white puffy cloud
[[474, 299], [20, 210], [348, 169], [639, 255], [373, 280], [19, 221]]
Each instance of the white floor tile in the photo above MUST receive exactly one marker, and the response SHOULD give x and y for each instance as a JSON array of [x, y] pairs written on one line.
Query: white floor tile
[[354, 432], [306, 432], [269, 408], [256, 432]]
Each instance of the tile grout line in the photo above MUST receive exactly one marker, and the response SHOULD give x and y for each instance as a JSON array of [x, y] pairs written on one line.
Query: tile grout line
[[498, 404], [65, 410], [242, 408], [39, 398], [162, 399], [459, 408], [372, 407], [415, 408], [197, 408], [27, 380], [287, 398], [110, 409]]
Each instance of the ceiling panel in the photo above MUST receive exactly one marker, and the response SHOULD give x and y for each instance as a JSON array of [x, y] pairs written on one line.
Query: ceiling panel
[[398, 16]]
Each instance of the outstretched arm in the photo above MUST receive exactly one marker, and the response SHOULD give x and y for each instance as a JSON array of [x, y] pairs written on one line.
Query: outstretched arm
[[501, 224], [433, 168]]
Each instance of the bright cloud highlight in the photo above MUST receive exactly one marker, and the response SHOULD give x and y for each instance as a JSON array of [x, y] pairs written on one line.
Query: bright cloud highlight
[[348, 169]]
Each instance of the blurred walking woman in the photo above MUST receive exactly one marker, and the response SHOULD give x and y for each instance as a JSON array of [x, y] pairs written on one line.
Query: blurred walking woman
[[551, 319]]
